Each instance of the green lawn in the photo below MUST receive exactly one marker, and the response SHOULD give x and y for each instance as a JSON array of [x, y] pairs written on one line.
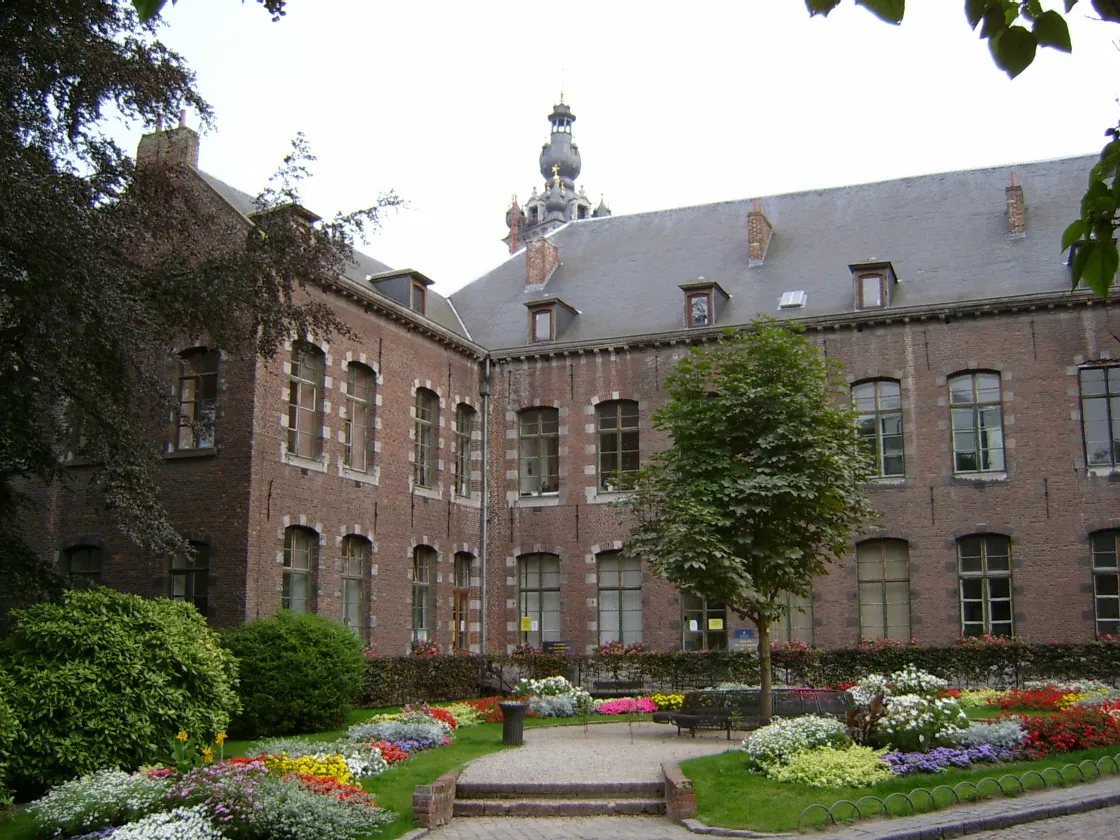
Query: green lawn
[[730, 796]]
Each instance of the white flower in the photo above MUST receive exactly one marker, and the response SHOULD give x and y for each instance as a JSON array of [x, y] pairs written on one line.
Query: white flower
[[180, 824]]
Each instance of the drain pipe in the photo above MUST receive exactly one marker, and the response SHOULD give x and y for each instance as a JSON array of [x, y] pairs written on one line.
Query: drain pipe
[[484, 507]]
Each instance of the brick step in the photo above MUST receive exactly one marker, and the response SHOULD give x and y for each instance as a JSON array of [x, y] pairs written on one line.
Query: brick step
[[557, 807], [582, 791]]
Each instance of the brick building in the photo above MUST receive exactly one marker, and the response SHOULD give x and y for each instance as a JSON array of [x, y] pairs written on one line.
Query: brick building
[[381, 479]]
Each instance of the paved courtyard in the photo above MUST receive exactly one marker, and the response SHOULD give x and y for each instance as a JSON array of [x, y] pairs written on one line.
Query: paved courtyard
[[564, 828]]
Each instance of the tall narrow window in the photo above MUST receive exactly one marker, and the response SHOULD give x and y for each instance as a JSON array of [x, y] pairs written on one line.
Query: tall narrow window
[[871, 294], [879, 405], [620, 598], [423, 559], [427, 438], [975, 402], [542, 325], [305, 400], [1106, 583], [1100, 416], [699, 310], [355, 569], [189, 576], [301, 547], [985, 580], [539, 598], [617, 423], [198, 394], [796, 625], [416, 298], [360, 390], [539, 451], [83, 563], [464, 430], [461, 602], [703, 624], [884, 589]]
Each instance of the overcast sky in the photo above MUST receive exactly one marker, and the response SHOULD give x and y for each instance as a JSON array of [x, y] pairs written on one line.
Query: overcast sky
[[676, 104]]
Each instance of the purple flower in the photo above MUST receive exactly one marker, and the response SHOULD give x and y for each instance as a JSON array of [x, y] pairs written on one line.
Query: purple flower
[[933, 761]]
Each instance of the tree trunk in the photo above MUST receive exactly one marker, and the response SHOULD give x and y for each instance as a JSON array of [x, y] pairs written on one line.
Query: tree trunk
[[765, 676]]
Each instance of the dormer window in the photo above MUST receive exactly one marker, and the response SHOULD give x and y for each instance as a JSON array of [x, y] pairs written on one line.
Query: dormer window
[[703, 301], [416, 300], [542, 325], [405, 286], [875, 284]]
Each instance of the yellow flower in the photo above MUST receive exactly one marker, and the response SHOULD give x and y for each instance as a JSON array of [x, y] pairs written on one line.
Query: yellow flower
[[182, 736], [207, 754], [220, 739]]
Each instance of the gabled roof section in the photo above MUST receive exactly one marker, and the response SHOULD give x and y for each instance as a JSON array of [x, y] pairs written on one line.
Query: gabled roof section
[[945, 234]]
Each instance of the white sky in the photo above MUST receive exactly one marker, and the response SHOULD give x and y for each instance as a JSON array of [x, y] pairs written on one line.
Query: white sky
[[676, 104]]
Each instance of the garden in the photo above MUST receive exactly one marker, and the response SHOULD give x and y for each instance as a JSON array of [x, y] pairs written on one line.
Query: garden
[[129, 718]]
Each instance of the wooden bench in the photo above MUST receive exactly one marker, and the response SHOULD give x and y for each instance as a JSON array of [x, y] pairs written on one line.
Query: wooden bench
[[740, 709]]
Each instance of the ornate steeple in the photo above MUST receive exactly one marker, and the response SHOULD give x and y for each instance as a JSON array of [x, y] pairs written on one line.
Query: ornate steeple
[[560, 201]]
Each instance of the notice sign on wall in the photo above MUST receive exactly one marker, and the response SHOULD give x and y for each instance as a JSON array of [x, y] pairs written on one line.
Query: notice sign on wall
[[743, 638], [526, 624]]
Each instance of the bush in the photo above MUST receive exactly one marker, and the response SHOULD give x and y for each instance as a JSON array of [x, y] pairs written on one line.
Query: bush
[[829, 767], [913, 722], [781, 740], [10, 731], [299, 673], [106, 679], [105, 798]]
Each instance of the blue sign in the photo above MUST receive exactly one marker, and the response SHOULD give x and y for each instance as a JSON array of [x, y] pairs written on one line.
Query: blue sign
[[744, 633]]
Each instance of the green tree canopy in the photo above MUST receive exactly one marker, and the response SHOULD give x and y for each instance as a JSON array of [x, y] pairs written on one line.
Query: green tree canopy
[[104, 267], [762, 484]]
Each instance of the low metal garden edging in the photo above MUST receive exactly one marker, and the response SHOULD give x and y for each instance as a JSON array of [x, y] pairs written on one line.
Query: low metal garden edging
[[851, 811]]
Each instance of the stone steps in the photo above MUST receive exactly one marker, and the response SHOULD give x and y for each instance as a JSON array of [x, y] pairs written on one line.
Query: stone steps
[[576, 799]]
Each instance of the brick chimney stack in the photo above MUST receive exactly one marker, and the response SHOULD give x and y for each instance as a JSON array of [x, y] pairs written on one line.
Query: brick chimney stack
[[514, 226], [1016, 209], [173, 147], [541, 259], [759, 231]]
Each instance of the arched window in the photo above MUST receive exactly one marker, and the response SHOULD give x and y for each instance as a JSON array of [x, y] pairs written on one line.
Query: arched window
[[305, 400], [539, 451], [198, 395], [703, 623], [884, 589], [83, 563], [620, 598], [355, 573], [190, 575], [361, 388], [301, 551], [1106, 583], [984, 563], [427, 437], [464, 430], [796, 624], [976, 406], [538, 578], [461, 602], [617, 427], [879, 405], [423, 561]]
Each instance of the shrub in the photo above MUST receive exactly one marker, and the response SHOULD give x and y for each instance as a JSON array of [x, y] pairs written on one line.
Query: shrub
[[299, 673], [10, 732], [106, 679], [547, 687], [912, 680], [914, 722], [831, 767], [104, 798], [1007, 734], [430, 733], [554, 706], [290, 810], [780, 741]]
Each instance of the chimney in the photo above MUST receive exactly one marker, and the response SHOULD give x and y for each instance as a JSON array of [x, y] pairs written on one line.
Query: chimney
[[1016, 209], [541, 259], [514, 226], [171, 147], [759, 231]]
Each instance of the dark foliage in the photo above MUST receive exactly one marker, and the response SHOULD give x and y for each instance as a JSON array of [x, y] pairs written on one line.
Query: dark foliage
[[299, 673]]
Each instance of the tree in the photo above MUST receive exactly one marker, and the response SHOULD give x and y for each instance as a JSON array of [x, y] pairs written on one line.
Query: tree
[[762, 485], [103, 266], [1015, 29], [149, 9]]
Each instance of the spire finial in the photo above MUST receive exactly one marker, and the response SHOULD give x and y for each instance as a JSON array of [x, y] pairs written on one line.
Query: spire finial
[[556, 173]]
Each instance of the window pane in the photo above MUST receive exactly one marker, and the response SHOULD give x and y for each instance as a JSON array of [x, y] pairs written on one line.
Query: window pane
[[863, 397], [542, 325], [999, 587], [1104, 550], [890, 395], [960, 390], [1107, 584], [987, 388], [871, 290], [1093, 381]]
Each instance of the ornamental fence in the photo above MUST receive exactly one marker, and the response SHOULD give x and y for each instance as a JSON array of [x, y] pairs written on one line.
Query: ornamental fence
[[394, 681]]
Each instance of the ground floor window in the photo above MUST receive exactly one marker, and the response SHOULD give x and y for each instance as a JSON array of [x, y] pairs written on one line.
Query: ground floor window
[[703, 624], [620, 598], [539, 598], [1106, 583]]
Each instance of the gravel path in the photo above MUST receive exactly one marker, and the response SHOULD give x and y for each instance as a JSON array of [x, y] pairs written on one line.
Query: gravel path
[[604, 753]]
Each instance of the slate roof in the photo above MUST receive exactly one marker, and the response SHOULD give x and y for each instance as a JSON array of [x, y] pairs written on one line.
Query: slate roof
[[436, 307], [945, 234]]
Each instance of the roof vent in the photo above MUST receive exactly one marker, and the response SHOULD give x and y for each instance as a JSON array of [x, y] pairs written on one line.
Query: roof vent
[[792, 300]]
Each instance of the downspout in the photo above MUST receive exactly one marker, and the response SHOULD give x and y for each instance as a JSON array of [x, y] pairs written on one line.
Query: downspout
[[484, 391]]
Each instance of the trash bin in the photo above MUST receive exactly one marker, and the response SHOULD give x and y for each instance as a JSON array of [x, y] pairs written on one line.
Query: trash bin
[[513, 723]]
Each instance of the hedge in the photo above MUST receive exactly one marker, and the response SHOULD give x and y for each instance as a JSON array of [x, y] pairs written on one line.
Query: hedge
[[395, 681]]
